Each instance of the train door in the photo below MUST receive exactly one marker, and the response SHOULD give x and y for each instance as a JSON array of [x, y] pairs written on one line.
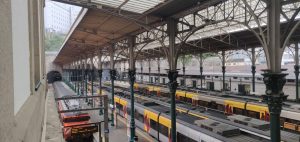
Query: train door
[[146, 123], [228, 109], [265, 116]]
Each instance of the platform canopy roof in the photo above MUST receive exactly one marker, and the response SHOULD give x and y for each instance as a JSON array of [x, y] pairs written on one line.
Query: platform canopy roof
[[211, 26]]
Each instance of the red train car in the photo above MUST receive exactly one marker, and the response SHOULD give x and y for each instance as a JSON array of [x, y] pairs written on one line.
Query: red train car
[[76, 125]]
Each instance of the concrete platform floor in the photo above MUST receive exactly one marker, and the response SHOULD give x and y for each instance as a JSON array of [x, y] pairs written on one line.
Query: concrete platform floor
[[119, 133], [53, 126]]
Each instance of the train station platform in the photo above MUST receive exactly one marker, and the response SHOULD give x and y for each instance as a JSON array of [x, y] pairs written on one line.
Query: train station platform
[[53, 128], [119, 133]]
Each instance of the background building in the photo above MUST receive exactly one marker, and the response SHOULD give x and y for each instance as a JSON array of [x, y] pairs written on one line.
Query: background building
[[59, 17]]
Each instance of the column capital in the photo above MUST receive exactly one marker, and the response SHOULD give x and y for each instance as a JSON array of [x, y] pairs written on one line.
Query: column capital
[[113, 74], [297, 67], [131, 75], [253, 69], [274, 95], [172, 75]]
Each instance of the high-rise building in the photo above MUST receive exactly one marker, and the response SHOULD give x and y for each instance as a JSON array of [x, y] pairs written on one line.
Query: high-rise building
[[59, 17]]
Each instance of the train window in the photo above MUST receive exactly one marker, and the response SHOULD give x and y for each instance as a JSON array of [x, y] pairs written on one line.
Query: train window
[[140, 117], [164, 130], [246, 78], [216, 76], [208, 76], [237, 111], [235, 77], [183, 138], [202, 103], [221, 107], [153, 124], [164, 80], [259, 78], [253, 114], [119, 106], [291, 80]]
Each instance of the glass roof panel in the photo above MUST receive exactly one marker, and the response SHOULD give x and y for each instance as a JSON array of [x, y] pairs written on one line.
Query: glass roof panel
[[137, 6], [111, 3]]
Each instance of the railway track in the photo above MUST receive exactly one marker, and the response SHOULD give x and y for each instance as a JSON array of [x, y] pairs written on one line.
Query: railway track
[[244, 129]]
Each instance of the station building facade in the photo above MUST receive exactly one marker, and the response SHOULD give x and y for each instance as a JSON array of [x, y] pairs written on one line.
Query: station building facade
[[22, 70]]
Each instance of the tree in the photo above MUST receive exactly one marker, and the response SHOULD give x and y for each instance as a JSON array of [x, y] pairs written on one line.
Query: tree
[[53, 41]]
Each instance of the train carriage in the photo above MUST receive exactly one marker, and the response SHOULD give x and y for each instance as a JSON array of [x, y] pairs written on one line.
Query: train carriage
[[76, 125], [157, 124], [228, 105]]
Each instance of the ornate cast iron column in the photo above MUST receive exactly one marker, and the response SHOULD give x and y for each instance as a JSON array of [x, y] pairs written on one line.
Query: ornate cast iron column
[[131, 75], [142, 72], [100, 80], [112, 73], [274, 98], [172, 75], [100, 89], [158, 68], [223, 73], [74, 77], [92, 82], [86, 79], [77, 79], [82, 78], [274, 78], [201, 76], [184, 80], [296, 67], [149, 65], [253, 67], [223, 69], [112, 78]]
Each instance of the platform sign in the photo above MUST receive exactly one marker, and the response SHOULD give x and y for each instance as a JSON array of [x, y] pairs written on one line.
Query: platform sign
[[84, 130]]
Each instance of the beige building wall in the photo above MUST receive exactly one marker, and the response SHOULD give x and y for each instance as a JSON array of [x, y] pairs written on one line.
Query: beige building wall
[[22, 70]]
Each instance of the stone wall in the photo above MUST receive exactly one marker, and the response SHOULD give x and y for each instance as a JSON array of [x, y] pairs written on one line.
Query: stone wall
[[21, 70]]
